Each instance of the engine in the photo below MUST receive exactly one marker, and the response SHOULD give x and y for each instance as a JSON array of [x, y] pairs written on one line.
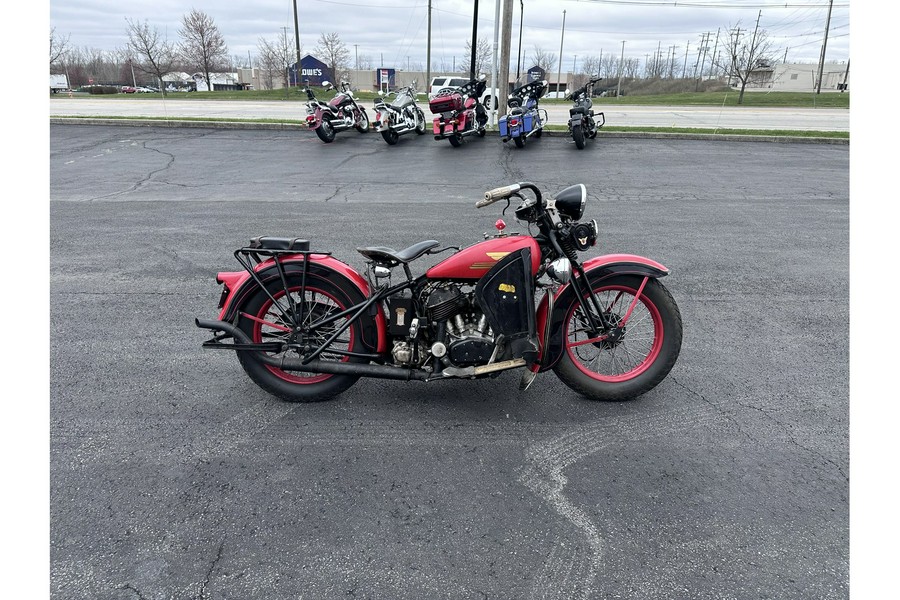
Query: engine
[[461, 335]]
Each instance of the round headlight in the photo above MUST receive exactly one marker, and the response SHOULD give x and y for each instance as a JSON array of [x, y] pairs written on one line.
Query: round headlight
[[571, 201]]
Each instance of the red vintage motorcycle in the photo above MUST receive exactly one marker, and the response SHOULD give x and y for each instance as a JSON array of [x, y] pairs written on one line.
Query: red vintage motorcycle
[[306, 326]]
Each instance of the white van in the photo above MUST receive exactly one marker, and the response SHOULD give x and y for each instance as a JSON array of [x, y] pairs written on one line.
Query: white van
[[444, 81]]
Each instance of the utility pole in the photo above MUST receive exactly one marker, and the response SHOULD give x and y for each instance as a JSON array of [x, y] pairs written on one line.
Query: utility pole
[[428, 56], [495, 76], [824, 42], [297, 40], [559, 62], [712, 63], [519, 52], [356, 49], [684, 67], [699, 51], [621, 64], [505, 46], [474, 41], [287, 67], [846, 73]]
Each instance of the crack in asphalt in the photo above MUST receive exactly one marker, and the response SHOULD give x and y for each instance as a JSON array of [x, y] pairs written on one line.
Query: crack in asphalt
[[205, 583], [131, 588]]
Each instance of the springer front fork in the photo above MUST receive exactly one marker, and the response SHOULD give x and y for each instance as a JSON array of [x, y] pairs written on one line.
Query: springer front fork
[[602, 326]]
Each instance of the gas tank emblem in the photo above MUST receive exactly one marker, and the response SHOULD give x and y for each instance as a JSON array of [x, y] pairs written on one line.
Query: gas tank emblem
[[507, 287], [484, 265]]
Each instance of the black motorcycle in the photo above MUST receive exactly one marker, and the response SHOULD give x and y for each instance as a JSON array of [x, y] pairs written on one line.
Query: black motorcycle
[[581, 116]]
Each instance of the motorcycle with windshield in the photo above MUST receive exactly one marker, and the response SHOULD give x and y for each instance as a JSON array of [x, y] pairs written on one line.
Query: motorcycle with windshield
[[399, 116], [338, 114], [524, 117], [459, 112], [306, 326], [581, 116]]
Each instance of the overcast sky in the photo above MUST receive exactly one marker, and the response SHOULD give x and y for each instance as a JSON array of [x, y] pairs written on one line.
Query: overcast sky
[[396, 30]]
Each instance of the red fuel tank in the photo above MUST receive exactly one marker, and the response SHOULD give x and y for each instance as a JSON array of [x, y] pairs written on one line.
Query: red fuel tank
[[476, 260]]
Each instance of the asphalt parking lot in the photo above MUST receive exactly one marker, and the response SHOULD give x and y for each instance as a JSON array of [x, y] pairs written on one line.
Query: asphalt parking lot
[[173, 476]]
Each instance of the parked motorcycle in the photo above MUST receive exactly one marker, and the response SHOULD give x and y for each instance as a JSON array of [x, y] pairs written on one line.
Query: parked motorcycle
[[524, 117], [460, 113], [581, 116], [306, 326], [400, 116], [340, 113]]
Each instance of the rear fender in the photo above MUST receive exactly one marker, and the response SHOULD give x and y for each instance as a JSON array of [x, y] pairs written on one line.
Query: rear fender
[[552, 311], [239, 286]]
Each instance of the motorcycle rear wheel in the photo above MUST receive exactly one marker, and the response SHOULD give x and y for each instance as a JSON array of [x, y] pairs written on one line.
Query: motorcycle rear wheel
[[390, 136], [262, 322], [636, 362], [520, 141], [455, 141], [578, 136], [325, 131]]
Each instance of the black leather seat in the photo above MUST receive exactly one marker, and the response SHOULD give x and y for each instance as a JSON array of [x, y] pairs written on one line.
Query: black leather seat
[[389, 256]]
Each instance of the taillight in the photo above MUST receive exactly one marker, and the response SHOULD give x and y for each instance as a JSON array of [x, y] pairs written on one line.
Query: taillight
[[513, 122], [311, 119]]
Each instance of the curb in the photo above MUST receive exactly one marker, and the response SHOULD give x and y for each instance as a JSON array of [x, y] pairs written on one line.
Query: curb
[[298, 127]]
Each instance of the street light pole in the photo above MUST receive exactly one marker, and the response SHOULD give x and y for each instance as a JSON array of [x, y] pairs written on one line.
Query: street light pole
[[559, 62]]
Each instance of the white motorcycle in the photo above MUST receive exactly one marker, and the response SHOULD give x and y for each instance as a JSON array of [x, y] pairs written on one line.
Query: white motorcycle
[[397, 113]]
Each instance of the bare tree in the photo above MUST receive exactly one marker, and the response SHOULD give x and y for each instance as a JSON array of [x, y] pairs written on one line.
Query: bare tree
[[744, 54], [151, 53], [202, 45], [543, 59], [590, 67], [275, 57], [609, 66], [631, 67], [483, 56], [335, 53], [365, 62], [57, 46]]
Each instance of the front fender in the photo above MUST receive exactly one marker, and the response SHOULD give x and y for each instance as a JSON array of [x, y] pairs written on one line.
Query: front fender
[[552, 310], [239, 286]]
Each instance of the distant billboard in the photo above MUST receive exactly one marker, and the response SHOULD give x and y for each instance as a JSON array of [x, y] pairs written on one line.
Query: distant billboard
[[312, 69]]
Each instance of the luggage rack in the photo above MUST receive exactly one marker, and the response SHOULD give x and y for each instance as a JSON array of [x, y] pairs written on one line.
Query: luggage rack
[[253, 255]]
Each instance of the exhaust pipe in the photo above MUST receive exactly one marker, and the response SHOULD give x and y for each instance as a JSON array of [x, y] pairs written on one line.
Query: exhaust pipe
[[315, 366]]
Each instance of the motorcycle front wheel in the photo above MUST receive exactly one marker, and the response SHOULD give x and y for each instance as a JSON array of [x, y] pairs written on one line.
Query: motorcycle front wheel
[[262, 321], [420, 122], [325, 131], [362, 124], [635, 362]]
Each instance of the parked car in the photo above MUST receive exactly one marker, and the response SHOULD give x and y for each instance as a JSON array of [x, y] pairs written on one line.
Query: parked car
[[443, 81], [127, 89], [144, 90]]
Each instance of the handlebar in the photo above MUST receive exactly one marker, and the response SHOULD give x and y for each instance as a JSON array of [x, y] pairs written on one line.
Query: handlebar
[[501, 193]]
